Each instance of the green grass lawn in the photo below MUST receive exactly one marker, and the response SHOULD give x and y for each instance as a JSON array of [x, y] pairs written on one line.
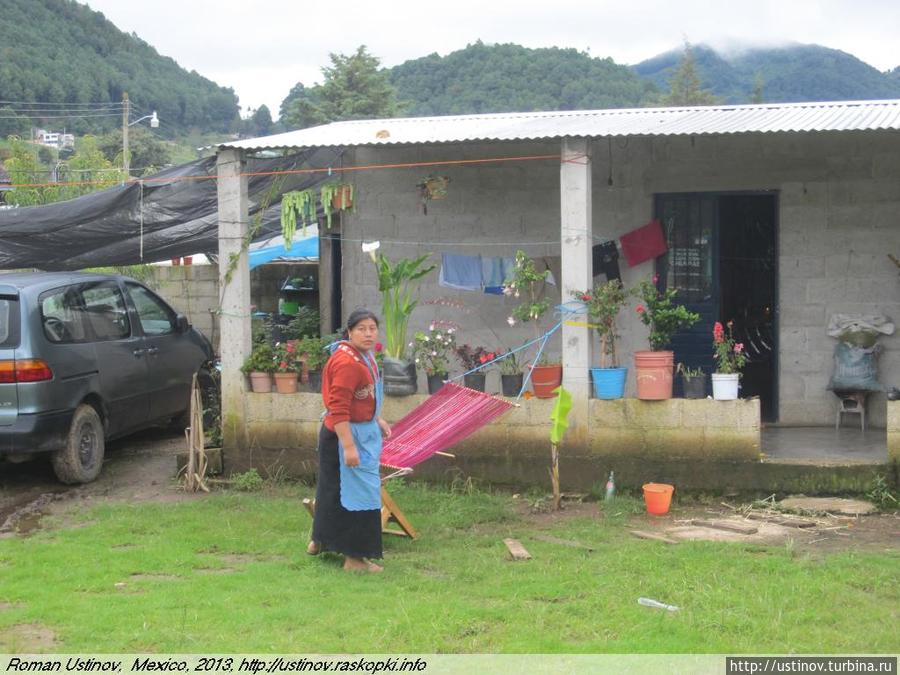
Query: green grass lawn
[[450, 591]]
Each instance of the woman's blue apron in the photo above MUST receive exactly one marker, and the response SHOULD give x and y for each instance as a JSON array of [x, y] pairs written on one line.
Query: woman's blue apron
[[361, 485]]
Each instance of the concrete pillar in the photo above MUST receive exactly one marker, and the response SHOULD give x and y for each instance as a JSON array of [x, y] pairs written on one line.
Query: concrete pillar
[[329, 304], [234, 291], [576, 239]]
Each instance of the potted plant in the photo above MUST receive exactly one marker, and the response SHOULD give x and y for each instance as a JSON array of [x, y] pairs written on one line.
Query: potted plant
[[471, 358], [259, 366], [693, 381], [335, 196], [431, 350], [510, 374], [603, 304], [287, 367], [653, 369], [432, 188], [398, 283], [527, 281], [297, 206], [315, 356], [730, 358]]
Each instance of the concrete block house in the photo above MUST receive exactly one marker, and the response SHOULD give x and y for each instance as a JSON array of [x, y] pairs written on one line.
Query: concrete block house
[[776, 216]]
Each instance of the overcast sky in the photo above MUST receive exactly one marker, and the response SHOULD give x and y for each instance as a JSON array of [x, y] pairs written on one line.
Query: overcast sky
[[261, 49]]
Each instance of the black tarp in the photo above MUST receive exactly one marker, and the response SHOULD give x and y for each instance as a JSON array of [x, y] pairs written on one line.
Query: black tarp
[[166, 216]]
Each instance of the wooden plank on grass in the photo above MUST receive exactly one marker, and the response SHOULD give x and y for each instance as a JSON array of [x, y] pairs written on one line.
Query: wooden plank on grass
[[640, 534], [727, 525], [562, 542], [781, 520], [516, 550]]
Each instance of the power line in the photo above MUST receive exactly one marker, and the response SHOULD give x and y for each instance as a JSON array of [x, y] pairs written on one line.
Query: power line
[[60, 104], [76, 116]]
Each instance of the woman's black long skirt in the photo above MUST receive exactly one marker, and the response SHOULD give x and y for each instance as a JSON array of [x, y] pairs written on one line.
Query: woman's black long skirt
[[353, 533]]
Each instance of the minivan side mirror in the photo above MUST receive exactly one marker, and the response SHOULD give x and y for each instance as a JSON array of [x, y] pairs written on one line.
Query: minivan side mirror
[[182, 324]]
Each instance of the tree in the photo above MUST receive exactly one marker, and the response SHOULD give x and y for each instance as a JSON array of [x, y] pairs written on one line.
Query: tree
[[148, 153], [262, 120], [758, 84], [88, 170], [354, 88], [684, 85], [25, 169]]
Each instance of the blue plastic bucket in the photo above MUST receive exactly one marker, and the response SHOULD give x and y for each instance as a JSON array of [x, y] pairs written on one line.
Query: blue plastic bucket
[[609, 383]]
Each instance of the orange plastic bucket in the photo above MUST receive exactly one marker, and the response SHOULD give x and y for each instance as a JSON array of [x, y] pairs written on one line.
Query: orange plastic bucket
[[658, 498]]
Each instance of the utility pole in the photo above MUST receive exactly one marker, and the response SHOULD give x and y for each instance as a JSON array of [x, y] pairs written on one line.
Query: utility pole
[[126, 162]]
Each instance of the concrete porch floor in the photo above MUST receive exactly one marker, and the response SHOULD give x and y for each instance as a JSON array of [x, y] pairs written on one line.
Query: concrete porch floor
[[824, 445]]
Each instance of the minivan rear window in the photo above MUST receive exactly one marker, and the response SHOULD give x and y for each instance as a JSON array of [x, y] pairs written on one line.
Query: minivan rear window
[[9, 322]]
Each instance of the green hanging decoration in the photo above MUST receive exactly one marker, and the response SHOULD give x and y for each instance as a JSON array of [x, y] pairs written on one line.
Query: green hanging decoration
[[297, 206]]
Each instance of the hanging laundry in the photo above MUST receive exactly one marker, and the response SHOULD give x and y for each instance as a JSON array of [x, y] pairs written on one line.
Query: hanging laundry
[[644, 243], [462, 272], [605, 260], [495, 272]]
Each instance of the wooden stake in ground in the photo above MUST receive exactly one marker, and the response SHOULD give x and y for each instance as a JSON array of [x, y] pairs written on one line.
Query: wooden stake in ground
[[554, 475], [194, 478]]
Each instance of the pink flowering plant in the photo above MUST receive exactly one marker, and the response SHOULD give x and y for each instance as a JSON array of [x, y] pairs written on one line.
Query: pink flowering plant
[[729, 355], [660, 315], [431, 349]]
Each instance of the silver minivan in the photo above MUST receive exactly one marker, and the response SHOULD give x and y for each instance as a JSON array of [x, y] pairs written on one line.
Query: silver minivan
[[85, 358]]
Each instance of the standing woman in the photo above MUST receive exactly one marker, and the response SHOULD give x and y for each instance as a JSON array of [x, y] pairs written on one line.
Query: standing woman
[[348, 491]]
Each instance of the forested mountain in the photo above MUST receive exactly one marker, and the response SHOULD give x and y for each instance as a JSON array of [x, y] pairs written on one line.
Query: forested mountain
[[792, 73], [506, 77], [62, 52]]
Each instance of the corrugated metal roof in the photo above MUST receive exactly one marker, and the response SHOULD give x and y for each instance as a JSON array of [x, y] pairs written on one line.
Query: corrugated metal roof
[[729, 119]]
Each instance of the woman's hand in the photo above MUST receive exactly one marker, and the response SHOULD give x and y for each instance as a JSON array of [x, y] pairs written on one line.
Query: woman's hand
[[351, 456], [385, 428]]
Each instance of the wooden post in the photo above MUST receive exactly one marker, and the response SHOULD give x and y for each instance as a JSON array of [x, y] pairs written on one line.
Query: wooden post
[[554, 475]]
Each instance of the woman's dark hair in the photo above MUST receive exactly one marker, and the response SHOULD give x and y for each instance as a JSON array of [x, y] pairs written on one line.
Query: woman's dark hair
[[355, 317]]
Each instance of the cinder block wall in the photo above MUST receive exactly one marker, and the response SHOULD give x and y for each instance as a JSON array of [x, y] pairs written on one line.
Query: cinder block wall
[[282, 432], [839, 194], [193, 290]]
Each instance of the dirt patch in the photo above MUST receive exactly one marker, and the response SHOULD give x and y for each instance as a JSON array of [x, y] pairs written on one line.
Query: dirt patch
[[27, 638], [5, 606], [215, 570], [22, 516]]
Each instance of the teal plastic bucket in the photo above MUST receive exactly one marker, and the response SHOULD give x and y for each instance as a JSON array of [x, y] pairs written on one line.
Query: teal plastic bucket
[[609, 383]]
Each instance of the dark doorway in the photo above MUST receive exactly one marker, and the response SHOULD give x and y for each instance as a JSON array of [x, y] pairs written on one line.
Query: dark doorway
[[723, 260]]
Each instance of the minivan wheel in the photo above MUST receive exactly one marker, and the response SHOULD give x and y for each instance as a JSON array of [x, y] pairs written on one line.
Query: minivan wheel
[[81, 459]]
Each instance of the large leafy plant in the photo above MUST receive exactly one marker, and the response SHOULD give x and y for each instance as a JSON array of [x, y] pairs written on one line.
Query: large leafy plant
[[660, 315], [603, 304], [399, 284], [527, 281]]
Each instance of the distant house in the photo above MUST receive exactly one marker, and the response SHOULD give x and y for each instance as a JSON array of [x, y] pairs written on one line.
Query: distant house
[[54, 139]]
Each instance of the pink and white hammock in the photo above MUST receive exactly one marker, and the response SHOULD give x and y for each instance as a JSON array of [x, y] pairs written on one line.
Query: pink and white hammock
[[447, 417]]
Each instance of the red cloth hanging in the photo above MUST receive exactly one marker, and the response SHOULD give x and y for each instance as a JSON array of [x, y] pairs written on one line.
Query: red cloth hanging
[[645, 243]]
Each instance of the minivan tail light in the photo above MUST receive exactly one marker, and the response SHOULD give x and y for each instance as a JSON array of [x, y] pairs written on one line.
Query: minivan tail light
[[25, 370], [32, 370]]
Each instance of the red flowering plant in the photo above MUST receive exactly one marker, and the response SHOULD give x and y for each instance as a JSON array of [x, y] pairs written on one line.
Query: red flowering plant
[[473, 357], [729, 354], [603, 303], [287, 357]]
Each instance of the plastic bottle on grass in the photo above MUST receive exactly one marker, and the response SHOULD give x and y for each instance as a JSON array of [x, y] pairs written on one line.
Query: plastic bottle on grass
[[610, 488]]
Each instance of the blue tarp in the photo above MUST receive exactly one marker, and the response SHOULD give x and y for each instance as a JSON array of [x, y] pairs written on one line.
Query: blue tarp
[[304, 248]]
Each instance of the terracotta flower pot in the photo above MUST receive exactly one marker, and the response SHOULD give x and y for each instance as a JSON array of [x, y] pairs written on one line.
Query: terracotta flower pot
[[176, 262], [188, 260], [653, 372], [260, 383], [342, 198], [286, 383], [544, 379]]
